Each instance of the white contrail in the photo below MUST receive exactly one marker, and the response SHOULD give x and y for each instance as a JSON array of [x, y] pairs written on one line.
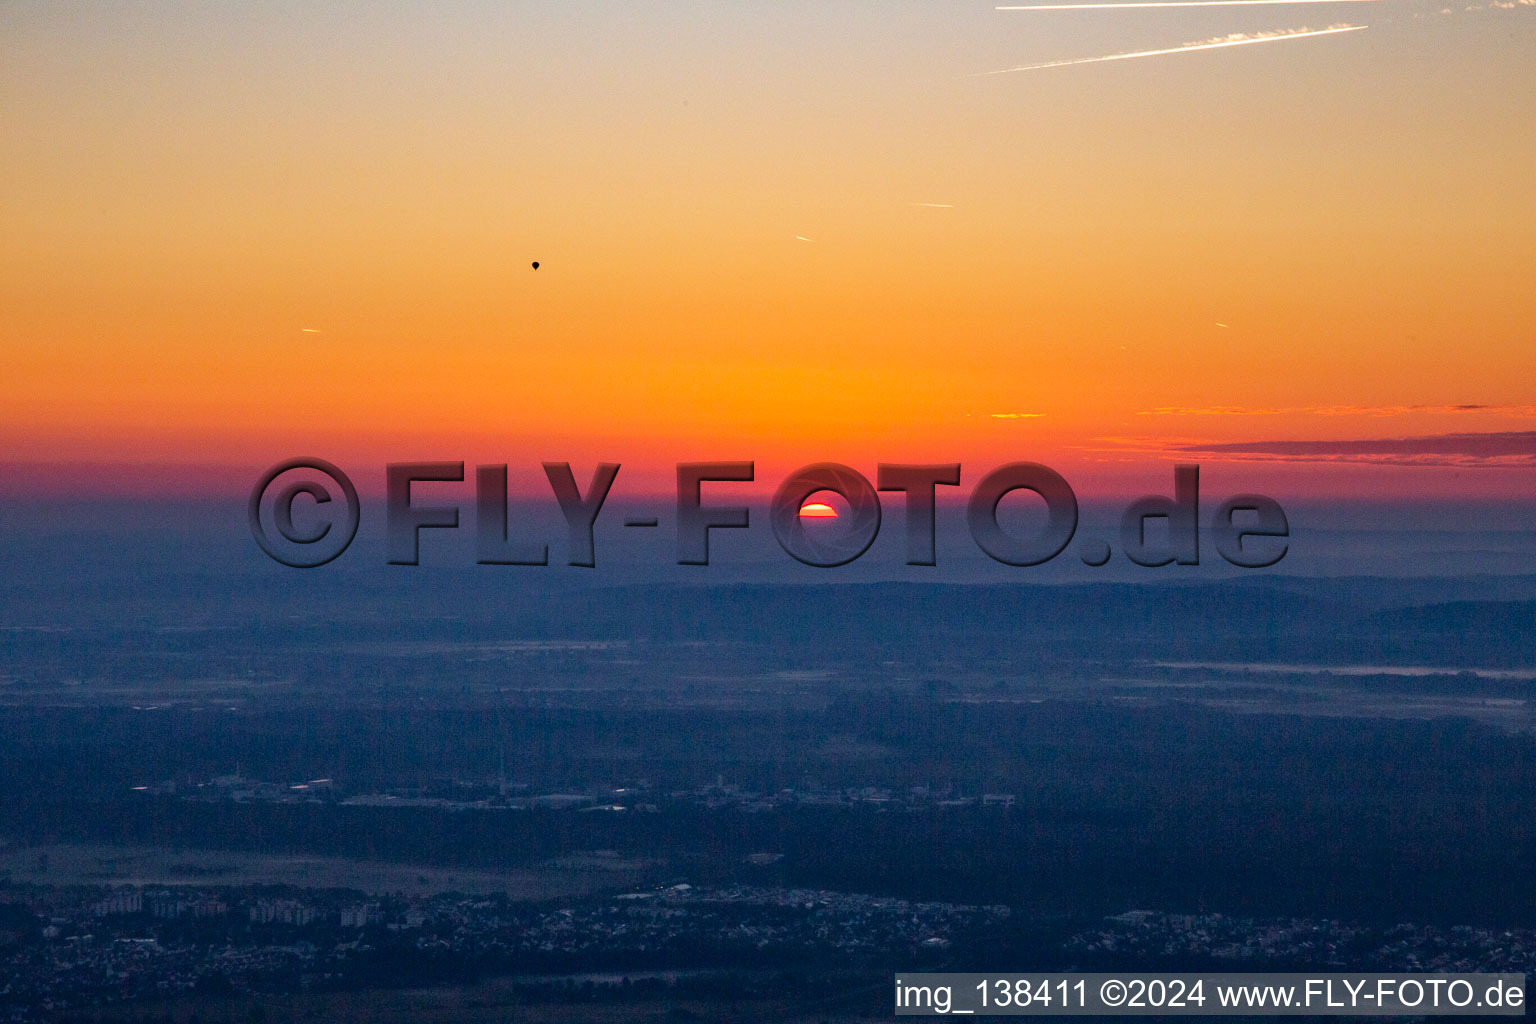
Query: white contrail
[[1173, 3], [1237, 39]]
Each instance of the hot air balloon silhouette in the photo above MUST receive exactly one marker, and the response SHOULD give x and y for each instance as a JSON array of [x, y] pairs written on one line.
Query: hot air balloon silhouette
[[535, 264]]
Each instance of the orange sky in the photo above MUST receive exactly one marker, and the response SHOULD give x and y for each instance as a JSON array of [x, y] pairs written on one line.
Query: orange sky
[[234, 235]]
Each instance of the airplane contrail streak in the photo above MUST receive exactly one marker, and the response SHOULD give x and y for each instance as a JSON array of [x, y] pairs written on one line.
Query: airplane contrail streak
[[1214, 44], [1173, 3]]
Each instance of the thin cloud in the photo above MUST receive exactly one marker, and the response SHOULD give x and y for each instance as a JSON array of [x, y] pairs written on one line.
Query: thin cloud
[[1514, 449], [1491, 5], [1522, 411], [1220, 42], [1016, 415], [1182, 3]]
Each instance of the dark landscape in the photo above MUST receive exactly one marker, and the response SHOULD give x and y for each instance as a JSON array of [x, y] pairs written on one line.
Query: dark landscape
[[740, 799]]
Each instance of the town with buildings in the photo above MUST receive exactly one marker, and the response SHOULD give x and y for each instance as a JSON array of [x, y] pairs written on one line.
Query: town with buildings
[[70, 949]]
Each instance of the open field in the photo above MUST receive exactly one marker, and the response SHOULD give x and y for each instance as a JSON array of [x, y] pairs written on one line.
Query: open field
[[101, 864]]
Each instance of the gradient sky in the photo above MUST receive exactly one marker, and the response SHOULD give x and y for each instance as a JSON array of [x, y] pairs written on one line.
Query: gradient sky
[[235, 233]]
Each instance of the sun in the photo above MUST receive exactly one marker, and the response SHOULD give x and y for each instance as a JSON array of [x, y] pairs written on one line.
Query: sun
[[817, 510]]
